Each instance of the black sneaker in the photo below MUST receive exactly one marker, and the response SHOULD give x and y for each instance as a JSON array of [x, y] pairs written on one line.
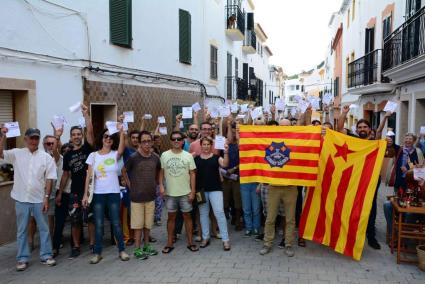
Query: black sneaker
[[373, 243], [259, 238], [281, 245], [75, 252]]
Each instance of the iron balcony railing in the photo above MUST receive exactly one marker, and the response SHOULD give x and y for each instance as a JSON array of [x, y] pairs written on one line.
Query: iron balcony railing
[[250, 39], [235, 18], [405, 43], [366, 70]]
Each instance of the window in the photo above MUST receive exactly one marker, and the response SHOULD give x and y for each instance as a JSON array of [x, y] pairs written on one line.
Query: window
[[297, 87], [185, 37], [336, 87], [353, 10], [213, 62], [120, 22], [387, 26], [7, 110], [347, 61]]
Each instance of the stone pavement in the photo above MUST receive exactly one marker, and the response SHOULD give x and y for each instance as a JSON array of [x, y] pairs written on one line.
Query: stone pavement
[[243, 264]]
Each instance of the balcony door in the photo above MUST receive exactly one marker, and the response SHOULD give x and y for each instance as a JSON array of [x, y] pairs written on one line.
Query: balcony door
[[411, 33], [412, 6], [369, 56]]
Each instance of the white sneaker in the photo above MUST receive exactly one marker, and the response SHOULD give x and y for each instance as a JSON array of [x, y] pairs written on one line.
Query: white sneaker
[[49, 262], [95, 259], [124, 256], [289, 251], [21, 266]]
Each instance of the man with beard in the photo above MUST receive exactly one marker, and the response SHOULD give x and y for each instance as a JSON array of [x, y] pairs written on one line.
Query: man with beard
[[74, 166], [364, 131], [191, 134]]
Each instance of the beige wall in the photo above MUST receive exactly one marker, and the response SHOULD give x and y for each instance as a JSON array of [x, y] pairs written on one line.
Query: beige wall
[[7, 216]]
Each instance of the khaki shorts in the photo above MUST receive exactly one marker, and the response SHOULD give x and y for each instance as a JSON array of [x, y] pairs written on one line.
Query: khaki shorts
[[142, 215]]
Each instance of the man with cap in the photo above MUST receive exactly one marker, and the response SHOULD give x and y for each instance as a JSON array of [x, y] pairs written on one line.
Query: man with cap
[[34, 171]]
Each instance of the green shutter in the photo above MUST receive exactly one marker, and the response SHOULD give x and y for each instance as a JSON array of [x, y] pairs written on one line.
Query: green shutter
[[185, 37], [120, 22]]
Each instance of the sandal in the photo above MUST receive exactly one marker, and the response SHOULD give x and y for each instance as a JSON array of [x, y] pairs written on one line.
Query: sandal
[[167, 249], [226, 246], [205, 243], [301, 242], [192, 248]]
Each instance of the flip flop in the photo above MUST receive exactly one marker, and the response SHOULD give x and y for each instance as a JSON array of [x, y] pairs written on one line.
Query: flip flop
[[167, 249], [192, 248], [301, 242], [205, 244]]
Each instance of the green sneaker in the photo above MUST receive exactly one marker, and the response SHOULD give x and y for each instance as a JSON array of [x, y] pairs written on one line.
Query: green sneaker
[[140, 254], [149, 250]]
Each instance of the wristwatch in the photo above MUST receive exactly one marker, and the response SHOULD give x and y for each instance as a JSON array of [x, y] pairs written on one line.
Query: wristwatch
[[46, 195]]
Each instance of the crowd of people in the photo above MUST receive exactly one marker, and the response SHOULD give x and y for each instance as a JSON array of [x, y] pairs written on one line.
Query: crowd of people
[[128, 178]]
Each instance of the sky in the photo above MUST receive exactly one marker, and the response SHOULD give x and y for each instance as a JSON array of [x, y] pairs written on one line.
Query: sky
[[297, 31]]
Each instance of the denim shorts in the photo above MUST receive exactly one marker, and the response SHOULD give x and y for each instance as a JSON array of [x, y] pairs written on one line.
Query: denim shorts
[[175, 202]]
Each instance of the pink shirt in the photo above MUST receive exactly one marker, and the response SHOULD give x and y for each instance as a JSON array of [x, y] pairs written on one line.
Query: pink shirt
[[195, 148]]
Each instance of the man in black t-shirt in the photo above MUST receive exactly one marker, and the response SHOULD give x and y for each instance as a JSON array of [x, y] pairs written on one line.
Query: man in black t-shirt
[[74, 167]]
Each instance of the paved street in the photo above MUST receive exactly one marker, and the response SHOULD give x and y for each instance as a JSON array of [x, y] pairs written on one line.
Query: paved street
[[243, 264]]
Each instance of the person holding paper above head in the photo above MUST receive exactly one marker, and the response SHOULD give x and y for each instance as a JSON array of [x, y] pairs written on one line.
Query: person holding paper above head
[[192, 132], [104, 167], [74, 168], [34, 172]]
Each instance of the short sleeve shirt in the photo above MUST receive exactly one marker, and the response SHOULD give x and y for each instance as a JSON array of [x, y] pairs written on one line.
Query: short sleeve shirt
[[142, 172], [177, 169], [107, 169], [75, 162]]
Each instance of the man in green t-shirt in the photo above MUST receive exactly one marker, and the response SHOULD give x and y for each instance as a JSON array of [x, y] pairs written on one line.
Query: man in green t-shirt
[[178, 169]]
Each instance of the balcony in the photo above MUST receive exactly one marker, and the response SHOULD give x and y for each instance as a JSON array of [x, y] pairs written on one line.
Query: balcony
[[250, 43], [235, 22], [404, 50], [365, 77]]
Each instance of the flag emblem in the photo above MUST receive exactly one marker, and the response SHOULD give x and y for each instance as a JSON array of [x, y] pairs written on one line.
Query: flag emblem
[[277, 154]]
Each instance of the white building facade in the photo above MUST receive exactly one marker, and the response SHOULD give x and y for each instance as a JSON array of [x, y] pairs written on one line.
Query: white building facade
[[123, 55]]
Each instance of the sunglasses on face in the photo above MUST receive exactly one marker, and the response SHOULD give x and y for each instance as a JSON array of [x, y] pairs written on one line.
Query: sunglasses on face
[[176, 139], [106, 136], [49, 143]]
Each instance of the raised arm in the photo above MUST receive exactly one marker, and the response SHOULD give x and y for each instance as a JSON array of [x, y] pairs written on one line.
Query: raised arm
[[3, 131], [273, 111], [342, 117], [224, 162], [327, 117], [179, 118], [89, 125], [142, 126], [382, 125], [58, 145], [196, 118]]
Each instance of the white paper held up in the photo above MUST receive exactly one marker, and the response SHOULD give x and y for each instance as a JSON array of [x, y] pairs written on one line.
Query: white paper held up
[[13, 129], [280, 104], [58, 121], [353, 106], [161, 119], [196, 107], [418, 173], [82, 122], [234, 108], [76, 107], [112, 127], [147, 116], [256, 112], [187, 112], [129, 116], [422, 131], [219, 142], [302, 106], [163, 130], [390, 106]]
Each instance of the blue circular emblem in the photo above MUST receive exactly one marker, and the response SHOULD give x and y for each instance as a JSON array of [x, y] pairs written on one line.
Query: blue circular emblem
[[277, 154]]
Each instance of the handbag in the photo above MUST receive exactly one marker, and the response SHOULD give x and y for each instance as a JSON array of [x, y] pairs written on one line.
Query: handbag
[[91, 181], [200, 197]]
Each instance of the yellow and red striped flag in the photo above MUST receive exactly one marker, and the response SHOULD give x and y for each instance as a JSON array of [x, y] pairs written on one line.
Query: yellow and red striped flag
[[336, 211], [279, 155]]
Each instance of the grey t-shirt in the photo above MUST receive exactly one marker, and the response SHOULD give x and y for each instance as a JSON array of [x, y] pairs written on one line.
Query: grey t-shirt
[[143, 172]]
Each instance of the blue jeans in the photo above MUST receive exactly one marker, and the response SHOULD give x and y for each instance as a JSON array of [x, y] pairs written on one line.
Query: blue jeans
[[216, 200], [251, 206], [23, 213], [112, 201]]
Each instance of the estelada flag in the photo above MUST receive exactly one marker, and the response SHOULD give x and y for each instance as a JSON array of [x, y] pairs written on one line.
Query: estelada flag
[[279, 155], [336, 211]]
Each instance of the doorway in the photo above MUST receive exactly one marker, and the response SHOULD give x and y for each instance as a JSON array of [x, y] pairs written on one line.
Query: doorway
[[100, 114]]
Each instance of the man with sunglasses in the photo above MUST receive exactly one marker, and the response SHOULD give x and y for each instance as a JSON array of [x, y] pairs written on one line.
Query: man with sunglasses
[[75, 167], [34, 172], [178, 169], [142, 173]]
